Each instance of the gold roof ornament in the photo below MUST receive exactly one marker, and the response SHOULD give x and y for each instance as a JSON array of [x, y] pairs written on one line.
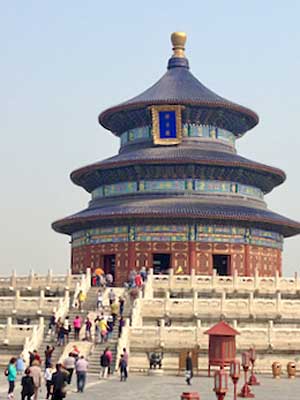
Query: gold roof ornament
[[178, 40]]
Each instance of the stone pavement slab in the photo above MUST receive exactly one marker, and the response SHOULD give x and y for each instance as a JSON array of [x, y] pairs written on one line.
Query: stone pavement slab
[[171, 387], [166, 388]]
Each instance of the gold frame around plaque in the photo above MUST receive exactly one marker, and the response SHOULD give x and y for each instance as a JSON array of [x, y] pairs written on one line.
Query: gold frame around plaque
[[155, 124]]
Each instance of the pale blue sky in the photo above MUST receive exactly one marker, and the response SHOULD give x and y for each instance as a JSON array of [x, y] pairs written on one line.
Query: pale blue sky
[[62, 62]]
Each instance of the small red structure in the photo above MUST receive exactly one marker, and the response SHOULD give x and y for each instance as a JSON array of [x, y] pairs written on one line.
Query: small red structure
[[222, 349]]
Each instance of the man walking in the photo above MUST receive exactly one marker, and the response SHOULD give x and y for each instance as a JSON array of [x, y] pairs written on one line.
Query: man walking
[[58, 383], [188, 368], [81, 367]]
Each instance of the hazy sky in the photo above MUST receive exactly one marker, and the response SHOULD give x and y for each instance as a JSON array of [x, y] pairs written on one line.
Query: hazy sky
[[63, 62]]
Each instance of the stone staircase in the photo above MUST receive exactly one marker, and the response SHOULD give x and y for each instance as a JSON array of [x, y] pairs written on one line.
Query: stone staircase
[[94, 357], [89, 304]]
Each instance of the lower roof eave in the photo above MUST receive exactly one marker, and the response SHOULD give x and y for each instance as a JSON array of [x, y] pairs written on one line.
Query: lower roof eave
[[70, 225]]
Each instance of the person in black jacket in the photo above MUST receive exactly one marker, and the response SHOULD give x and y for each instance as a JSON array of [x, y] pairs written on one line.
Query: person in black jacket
[[188, 368], [58, 383], [27, 385]]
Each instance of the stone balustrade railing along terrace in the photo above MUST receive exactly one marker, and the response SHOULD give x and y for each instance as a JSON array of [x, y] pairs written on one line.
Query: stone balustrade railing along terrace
[[36, 281], [234, 283]]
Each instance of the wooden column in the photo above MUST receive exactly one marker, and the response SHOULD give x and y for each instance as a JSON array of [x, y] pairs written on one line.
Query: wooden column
[[131, 256], [247, 260], [192, 257]]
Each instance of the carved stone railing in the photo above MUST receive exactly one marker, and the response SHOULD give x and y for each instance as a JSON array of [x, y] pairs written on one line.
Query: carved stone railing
[[123, 342], [31, 305], [14, 334], [241, 284], [264, 336], [35, 281], [35, 340], [218, 305], [83, 285]]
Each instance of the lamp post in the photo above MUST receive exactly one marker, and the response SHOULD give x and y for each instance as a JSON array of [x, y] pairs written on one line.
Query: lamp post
[[235, 373], [246, 391], [221, 384], [253, 380]]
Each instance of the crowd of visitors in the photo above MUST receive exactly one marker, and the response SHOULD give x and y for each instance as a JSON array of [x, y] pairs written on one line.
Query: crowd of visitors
[[100, 330]]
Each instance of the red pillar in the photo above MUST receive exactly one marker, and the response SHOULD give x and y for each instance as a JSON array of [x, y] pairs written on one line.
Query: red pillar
[[247, 261], [192, 257], [131, 256]]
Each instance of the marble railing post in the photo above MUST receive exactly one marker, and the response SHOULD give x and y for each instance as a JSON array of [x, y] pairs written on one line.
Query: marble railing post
[[17, 299], [278, 303], [277, 280], [49, 277], [192, 278], [195, 303], [31, 278], [167, 302], [256, 280], [8, 330], [171, 274], [13, 278], [198, 331], [223, 304], [148, 290], [235, 280], [162, 333], [42, 299], [68, 278], [214, 279], [251, 305], [270, 333]]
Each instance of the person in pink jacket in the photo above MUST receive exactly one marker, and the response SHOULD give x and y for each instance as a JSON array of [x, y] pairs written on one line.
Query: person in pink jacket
[[77, 323], [108, 354]]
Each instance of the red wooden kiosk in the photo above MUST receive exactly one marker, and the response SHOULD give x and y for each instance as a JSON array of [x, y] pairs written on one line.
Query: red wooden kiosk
[[222, 348]]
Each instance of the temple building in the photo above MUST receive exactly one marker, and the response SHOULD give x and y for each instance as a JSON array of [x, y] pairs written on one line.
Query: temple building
[[178, 196]]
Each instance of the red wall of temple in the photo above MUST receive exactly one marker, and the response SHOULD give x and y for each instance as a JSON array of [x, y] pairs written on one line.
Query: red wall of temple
[[245, 259]]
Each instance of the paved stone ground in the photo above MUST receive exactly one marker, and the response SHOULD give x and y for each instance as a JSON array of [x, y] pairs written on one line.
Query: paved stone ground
[[168, 388]]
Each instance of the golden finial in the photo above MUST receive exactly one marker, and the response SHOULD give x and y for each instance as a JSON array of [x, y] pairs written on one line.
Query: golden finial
[[178, 40]]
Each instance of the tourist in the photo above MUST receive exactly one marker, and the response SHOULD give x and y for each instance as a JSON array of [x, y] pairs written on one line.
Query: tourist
[[111, 296], [67, 328], [75, 352], [88, 327], [114, 310], [11, 373], [57, 328], [58, 384], [125, 355], [138, 280], [123, 369], [121, 326], [69, 365], [97, 329], [20, 365], [27, 386], [99, 300], [143, 273], [188, 368], [104, 363], [121, 305], [36, 374], [109, 279], [77, 326], [48, 355], [52, 325], [110, 358], [61, 336], [110, 327], [81, 367], [103, 330], [48, 379], [80, 298]]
